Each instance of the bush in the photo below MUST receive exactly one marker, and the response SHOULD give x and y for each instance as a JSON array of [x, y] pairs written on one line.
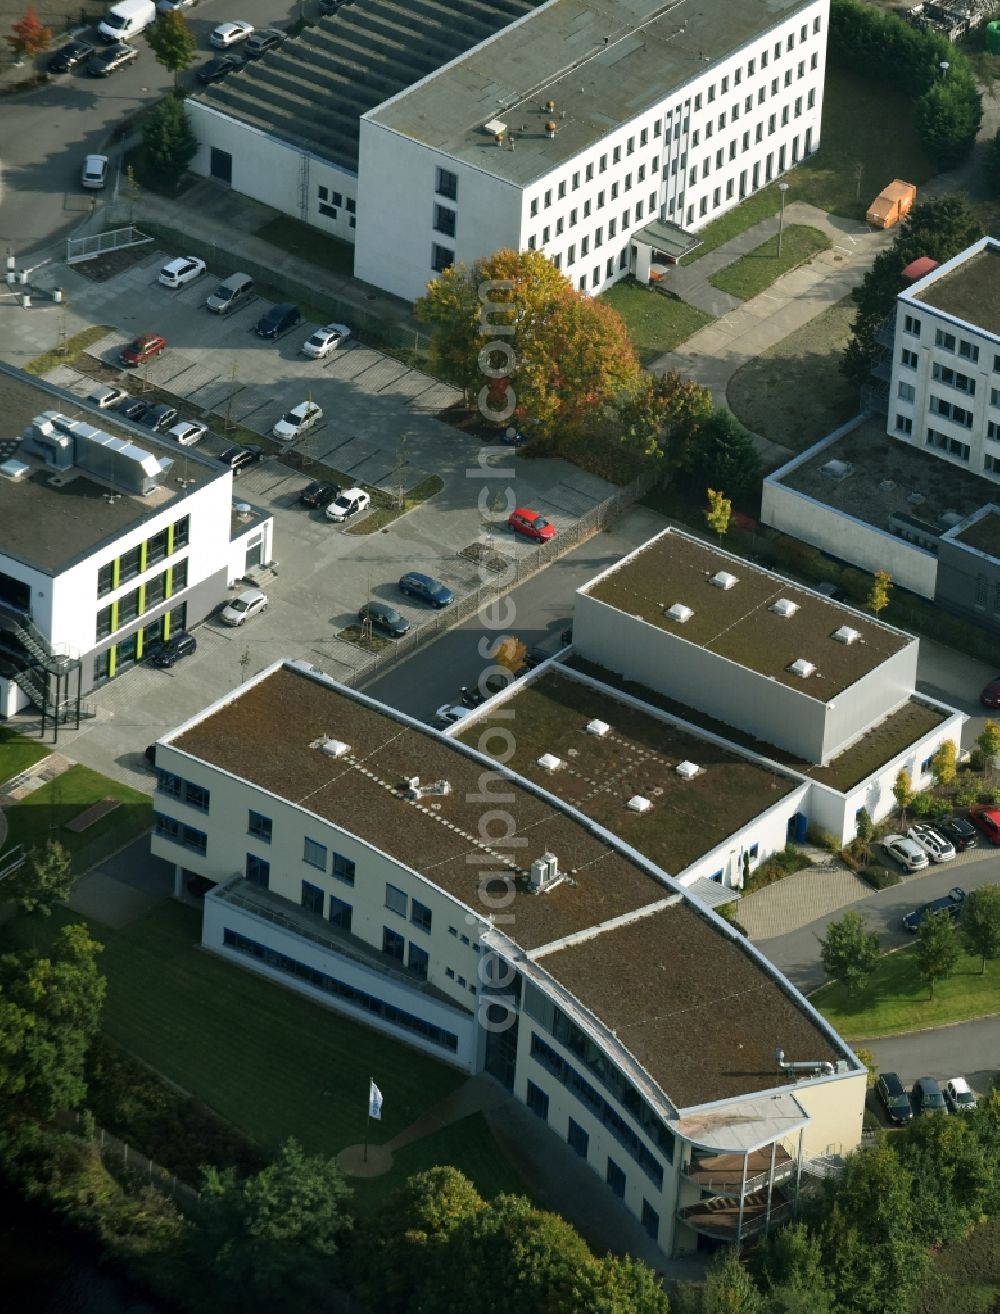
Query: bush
[[823, 839], [880, 878], [727, 911], [977, 759], [920, 805]]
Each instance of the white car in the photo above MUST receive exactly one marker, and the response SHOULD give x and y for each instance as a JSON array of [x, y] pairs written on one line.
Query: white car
[[95, 172], [937, 848], [242, 608], [324, 340], [907, 852], [107, 396], [180, 272], [188, 432], [230, 34], [168, 6], [959, 1095], [350, 502], [449, 714], [296, 421]]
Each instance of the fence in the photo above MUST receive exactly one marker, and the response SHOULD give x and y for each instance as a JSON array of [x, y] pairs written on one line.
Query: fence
[[512, 572], [118, 1157], [79, 249]]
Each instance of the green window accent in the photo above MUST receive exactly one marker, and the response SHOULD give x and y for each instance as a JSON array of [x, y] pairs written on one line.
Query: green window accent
[[112, 660], [170, 540], [169, 592], [139, 645], [117, 572], [142, 594], [143, 557], [114, 613]]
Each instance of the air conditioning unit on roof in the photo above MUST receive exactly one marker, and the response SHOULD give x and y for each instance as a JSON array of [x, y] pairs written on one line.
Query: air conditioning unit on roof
[[639, 804]]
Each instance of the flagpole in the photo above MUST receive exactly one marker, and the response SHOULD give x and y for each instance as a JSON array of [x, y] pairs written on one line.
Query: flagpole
[[368, 1120]]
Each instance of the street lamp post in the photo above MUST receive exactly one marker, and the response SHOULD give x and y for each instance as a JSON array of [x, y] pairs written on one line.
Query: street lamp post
[[782, 188], [944, 66]]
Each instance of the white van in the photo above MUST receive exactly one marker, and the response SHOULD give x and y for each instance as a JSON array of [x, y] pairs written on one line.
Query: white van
[[230, 294], [126, 19]]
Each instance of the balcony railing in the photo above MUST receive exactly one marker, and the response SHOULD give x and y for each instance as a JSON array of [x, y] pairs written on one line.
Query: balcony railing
[[723, 1173], [721, 1218]]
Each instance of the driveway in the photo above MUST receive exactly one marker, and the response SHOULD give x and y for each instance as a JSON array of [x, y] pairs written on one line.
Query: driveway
[[968, 1050]]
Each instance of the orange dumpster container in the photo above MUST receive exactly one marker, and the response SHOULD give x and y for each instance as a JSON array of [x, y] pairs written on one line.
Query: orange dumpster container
[[892, 204]]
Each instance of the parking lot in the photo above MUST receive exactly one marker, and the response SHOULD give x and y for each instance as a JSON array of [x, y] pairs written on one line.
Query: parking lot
[[216, 366]]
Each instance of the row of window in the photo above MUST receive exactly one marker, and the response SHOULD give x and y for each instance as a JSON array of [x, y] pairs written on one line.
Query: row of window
[[342, 990], [137, 560], [604, 1112], [184, 791], [398, 901], [313, 899], [169, 828], [315, 854], [944, 442], [949, 411], [945, 341], [130, 606], [719, 124], [111, 661], [598, 234], [414, 956]]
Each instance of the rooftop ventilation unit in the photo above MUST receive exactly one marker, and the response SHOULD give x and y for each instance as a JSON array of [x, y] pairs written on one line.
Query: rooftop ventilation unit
[[549, 762], [784, 607], [495, 127], [639, 804], [846, 635], [544, 873], [916, 499], [723, 580], [332, 747], [13, 470], [598, 728], [838, 470], [687, 770], [802, 668], [678, 612]]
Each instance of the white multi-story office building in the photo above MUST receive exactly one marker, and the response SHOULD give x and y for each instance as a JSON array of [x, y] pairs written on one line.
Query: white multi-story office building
[[107, 544], [604, 137]]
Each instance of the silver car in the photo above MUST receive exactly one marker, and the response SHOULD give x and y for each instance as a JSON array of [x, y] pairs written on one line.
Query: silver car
[[248, 604]]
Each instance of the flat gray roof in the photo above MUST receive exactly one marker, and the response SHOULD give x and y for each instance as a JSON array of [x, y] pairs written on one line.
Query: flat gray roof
[[313, 91], [49, 527], [969, 291], [603, 62]]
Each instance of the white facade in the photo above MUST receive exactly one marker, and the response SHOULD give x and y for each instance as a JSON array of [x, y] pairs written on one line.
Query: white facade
[[944, 393]]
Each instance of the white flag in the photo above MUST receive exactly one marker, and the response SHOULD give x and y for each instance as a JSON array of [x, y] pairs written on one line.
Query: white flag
[[374, 1101]]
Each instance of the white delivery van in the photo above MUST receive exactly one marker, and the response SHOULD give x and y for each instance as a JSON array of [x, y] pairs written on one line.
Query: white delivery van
[[127, 19]]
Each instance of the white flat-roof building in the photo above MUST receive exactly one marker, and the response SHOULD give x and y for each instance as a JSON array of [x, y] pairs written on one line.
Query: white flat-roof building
[[603, 135]]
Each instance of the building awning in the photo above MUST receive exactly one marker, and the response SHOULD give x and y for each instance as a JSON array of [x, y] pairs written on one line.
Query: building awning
[[711, 893], [667, 237]]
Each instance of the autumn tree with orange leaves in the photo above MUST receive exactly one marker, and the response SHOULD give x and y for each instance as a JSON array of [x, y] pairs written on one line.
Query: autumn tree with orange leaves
[[31, 36]]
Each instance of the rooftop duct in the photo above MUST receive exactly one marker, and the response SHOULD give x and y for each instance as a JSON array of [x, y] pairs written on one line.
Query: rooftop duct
[[544, 873]]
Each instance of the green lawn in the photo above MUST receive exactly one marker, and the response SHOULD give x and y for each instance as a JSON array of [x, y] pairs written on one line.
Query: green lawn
[[70, 350], [896, 999], [304, 240], [751, 211], [656, 323], [758, 269], [44, 813], [18, 753]]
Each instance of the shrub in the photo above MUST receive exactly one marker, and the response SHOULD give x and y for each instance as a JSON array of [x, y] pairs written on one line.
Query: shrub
[[727, 911], [992, 795], [880, 878], [977, 759], [966, 794], [920, 805], [823, 839]]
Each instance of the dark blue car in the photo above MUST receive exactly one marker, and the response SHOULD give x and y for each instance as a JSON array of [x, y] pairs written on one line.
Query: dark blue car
[[416, 585], [278, 320], [174, 648]]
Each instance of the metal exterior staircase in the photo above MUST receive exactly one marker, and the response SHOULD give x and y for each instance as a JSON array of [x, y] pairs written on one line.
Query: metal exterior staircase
[[32, 663]]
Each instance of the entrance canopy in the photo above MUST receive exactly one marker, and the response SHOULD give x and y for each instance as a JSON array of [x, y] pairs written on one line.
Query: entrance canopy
[[668, 238]]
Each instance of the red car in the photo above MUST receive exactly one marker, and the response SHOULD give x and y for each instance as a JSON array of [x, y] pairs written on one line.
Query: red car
[[531, 525], [987, 817], [142, 348], [990, 697]]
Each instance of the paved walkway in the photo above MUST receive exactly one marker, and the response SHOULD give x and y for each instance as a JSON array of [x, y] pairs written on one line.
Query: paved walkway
[[797, 900]]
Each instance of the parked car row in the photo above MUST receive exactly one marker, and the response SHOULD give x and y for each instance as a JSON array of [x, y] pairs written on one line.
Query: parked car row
[[926, 1096], [926, 843]]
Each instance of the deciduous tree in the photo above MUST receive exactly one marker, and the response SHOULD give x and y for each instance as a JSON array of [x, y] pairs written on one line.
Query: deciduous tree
[[790, 1269], [729, 1288], [31, 36], [953, 1176], [881, 590], [988, 743], [902, 790], [44, 881], [168, 141], [944, 763], [726, 455], [937, 949], [980, 924], [718, 512], [947, 117], [849, 951], [172, 42]]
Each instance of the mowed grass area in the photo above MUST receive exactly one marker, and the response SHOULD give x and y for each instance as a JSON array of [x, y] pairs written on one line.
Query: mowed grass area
[[43, 815], [269, 1061], [18, 753], [757, 270], [656, 323], [895, 1000], [794, 393]]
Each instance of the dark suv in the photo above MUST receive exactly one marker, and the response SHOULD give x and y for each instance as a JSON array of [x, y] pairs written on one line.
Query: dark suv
[[961, 832], [894, 1099], [279, 319], [927, 1096], [174, 648]]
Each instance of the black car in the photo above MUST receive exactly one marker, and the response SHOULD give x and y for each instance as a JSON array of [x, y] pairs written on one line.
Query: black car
[[217, 69], [70, 56], [927, 1096], [134, 409], [961, 832], [239, 458], [174, 648], [950, 903], [384, 618], [318, 493], [263, 40], [279, 319], [474, 695], [107, 61], [159, 417], [894, 1099]]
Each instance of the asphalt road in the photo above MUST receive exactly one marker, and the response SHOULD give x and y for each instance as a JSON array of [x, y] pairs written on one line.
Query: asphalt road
[[47, 132], [969, 1049]]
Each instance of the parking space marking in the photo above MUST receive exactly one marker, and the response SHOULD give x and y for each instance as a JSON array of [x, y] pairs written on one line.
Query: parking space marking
[[191, 379]]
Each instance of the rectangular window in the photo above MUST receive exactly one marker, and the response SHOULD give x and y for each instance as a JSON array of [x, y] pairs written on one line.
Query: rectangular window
[[559, 227], [548, 197], [395, 899], [911, 325], [417, 960], [341, 913], [814, 60], [904, 424], [991, 464], [630, 146], [588, 173], [534, 206], [626, 217], [104, 623], [612, 227], [650, 1220], [260, 827], [393, 944], [910, 359], [312, 898], [562, 190], [442, 258], [576, 180], [577, 1139], [584, 246], [957, 414], [907, 392], [444, 220], [182, 532], [314, 854], [336, 198], [447, 184], [603, 163], [129, 564], [616, 155], [258, 871], [616, 1179], [343, 868], [968, 351], [420, 915], [187, 837], [156, 548], [538, 1101]]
